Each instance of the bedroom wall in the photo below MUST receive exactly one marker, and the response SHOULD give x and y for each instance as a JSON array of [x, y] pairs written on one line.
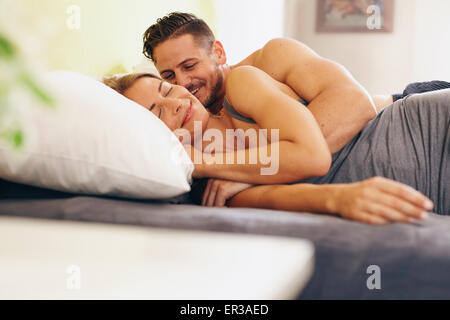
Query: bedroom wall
[[432, 41], [245, 26], [417, 50], [109, 37], [380, 62]]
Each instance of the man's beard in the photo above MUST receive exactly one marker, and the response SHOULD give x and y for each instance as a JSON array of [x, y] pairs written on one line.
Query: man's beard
[[214, 95]]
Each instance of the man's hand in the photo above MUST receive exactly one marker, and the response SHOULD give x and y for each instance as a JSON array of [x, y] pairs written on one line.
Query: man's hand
[[380, 201], [218, 192]]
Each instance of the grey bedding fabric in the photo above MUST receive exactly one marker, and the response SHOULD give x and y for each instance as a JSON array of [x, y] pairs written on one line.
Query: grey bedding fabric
[[421, 87], [414, 259]]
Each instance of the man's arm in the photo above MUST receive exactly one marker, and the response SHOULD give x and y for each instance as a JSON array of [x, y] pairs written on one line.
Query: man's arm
[[341, 106], [374, 201]]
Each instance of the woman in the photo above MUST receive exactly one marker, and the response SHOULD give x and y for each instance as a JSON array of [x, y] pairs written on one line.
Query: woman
[[303, 153]]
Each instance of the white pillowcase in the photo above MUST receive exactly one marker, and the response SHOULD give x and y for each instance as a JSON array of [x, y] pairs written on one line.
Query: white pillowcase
[[96, 142]]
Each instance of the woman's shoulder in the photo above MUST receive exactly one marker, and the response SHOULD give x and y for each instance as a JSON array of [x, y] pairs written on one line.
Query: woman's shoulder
[[239, 74], [244, 79], [249, 81], [243, 85]]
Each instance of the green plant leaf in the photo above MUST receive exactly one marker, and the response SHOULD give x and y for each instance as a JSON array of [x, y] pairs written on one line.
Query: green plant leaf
[[36, 90], [7, 50], [18, 75], [17, 138]]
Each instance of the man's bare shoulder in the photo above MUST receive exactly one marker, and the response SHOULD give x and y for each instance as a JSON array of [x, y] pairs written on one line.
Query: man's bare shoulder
[[274, 49], [279, 56]]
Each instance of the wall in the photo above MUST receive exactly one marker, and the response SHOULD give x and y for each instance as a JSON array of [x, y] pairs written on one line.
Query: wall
[[417, 50], [244, 26], [432, 40], [380, 62], [109, 38], [110, 34]]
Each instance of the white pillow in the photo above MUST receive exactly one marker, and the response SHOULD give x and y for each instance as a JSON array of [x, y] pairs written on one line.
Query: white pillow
[[97, 142]]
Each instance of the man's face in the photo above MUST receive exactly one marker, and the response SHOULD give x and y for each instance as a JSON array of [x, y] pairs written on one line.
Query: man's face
[[184, 62]]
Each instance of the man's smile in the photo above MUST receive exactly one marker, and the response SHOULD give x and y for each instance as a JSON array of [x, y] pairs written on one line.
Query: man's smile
[[195, 88], [195, 91]]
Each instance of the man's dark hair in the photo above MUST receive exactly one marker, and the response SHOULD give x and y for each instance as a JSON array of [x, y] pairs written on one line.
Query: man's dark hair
[[174, 25]]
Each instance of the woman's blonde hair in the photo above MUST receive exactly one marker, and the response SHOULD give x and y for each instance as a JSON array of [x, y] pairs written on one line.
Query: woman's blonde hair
[[121, 83]]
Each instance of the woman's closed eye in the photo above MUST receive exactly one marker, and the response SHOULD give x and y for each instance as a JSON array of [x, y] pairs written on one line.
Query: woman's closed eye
[[165, 88], [169, 91], [152, 108]]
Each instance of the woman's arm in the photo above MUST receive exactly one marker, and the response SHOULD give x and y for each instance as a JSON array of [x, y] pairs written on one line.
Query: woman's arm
[[301, 150], [374, 201]]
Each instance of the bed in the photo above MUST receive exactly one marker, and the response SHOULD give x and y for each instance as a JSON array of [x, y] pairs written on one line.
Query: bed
[[110, 157], [413, 260]]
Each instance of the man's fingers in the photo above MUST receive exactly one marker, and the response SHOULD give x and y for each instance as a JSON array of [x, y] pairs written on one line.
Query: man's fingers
[[212, 193], [220, 197], [405, 192], [393, 206], [370, 218], [387, 213], [218, 192], [206, 192]]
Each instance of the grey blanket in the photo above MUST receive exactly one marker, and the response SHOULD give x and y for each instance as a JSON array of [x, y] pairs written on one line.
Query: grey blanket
[[414, 260], [408, 142]]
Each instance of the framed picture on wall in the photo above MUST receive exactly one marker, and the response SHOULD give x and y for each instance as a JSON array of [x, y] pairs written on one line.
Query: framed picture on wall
[[355, 15]]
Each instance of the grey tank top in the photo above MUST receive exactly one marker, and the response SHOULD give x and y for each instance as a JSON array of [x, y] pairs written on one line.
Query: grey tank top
[[232, 111]]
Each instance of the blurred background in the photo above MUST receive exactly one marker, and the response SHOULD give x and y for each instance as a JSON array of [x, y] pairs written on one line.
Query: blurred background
[[101, 37]]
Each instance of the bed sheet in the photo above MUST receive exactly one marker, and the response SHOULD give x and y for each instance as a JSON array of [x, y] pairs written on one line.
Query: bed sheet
[[413, 259]]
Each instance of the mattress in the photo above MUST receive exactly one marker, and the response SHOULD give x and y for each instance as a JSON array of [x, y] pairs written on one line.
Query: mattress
[[413, 260]]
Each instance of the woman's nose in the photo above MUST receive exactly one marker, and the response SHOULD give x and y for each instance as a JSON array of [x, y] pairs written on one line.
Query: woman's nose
[[174, 106], [177, 108]]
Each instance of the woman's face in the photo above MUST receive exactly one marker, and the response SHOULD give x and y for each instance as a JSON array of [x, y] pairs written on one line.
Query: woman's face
[[173, 104]]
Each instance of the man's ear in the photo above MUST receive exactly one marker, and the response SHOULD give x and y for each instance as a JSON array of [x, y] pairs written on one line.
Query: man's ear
[[218, 53]]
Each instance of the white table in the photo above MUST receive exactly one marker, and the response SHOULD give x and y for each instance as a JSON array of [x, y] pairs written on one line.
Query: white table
[[51, 259]]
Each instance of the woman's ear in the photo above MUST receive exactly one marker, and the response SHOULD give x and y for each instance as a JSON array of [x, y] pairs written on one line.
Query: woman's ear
[[218, 53]]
